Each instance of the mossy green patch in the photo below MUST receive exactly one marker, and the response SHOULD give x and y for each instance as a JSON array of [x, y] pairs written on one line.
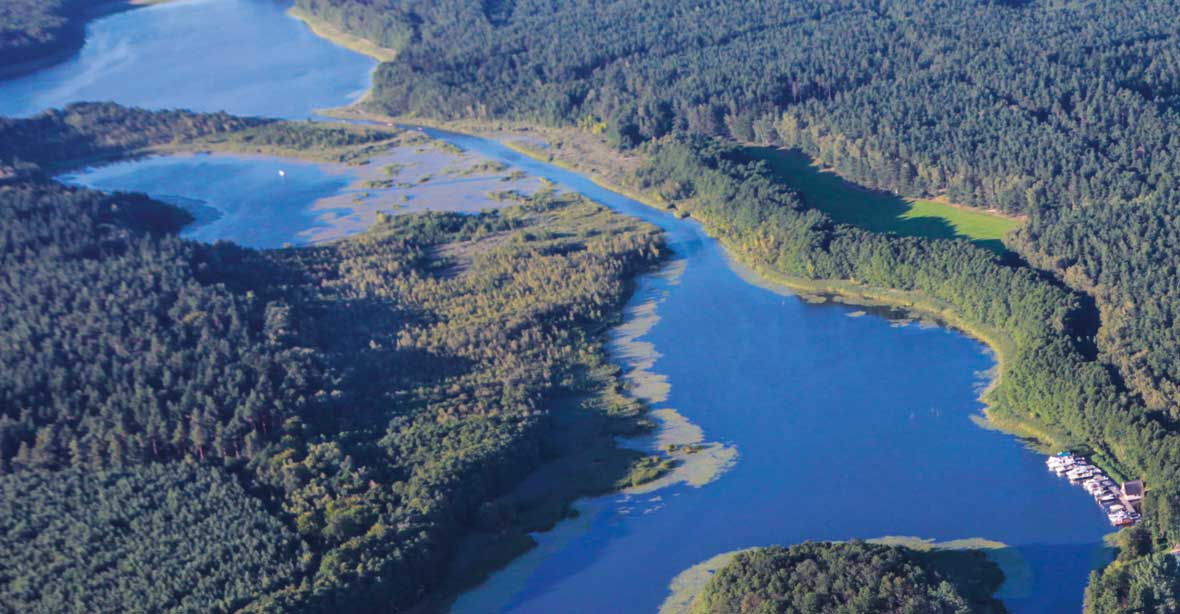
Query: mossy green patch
[[878, 211]]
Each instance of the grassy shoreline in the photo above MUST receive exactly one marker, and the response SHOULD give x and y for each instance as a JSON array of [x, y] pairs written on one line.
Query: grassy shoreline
[[329, 32], [1036, 435], [584, 457], [858, 294]]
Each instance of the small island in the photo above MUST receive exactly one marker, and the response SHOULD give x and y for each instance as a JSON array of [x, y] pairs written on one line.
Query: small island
[[852, 577]]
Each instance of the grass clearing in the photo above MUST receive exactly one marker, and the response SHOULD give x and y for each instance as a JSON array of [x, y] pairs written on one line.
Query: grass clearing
[[879, 211]]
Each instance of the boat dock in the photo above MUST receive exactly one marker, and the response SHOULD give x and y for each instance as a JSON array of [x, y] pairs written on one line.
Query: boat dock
[[1121, 504]]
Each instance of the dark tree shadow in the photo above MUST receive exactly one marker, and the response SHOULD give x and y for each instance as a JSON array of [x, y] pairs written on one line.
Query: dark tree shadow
[[855, 205]]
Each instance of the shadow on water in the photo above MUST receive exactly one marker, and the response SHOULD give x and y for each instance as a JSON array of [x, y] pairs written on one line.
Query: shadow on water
[[1037, 575], [849, 203]]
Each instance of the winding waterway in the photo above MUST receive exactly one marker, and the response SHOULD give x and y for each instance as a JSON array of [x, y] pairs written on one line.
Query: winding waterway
[[845, 426]]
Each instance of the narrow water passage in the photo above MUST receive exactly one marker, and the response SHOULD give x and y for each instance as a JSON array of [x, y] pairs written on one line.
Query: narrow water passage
[[846, 427]]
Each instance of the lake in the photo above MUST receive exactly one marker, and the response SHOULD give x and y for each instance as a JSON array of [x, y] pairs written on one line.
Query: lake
[[846, 424], [242, 199], [246, 57]]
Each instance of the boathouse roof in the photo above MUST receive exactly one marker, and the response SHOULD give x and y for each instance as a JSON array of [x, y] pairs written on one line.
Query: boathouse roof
[[1133, 488]]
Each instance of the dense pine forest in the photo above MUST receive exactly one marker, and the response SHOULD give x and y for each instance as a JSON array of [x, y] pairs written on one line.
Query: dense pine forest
[[852, 578], [346, 414], [148, 538], [1061, 111]]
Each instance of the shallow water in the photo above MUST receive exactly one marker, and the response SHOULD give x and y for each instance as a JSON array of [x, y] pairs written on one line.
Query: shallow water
[[242, 199], [844, 426], [266, 201]]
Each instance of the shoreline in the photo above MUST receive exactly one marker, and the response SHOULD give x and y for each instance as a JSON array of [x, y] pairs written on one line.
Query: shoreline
[[73, 37], [856, 294], [1029, 433], [687, 585], [658, 446], [998, 343], [333, 34]]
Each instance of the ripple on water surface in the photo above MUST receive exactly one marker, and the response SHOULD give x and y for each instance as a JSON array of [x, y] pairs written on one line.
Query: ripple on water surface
[[246, 57], [233, 198]]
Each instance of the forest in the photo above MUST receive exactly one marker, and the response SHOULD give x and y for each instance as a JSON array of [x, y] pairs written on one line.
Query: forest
[[59, 139], [30, 29], [347, 413], [1060, 111], [1049, 376], [79, 541], [913, 97], [852, 578]]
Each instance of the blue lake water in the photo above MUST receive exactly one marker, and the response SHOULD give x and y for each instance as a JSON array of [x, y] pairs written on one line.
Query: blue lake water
[[246, 57], [242, 199], [845, 426]]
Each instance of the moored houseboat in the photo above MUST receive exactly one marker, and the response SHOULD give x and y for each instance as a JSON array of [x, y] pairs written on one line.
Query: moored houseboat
[[1118, 502]]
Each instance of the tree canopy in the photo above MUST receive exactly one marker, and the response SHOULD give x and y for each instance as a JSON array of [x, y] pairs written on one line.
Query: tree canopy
[[361, 402], [852, 578]]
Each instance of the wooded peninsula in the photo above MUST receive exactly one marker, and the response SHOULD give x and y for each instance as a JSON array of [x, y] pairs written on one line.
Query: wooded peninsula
[[342, 422]]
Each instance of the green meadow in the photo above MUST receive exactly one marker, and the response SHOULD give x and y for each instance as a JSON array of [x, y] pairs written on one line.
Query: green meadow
[[879, 211]]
